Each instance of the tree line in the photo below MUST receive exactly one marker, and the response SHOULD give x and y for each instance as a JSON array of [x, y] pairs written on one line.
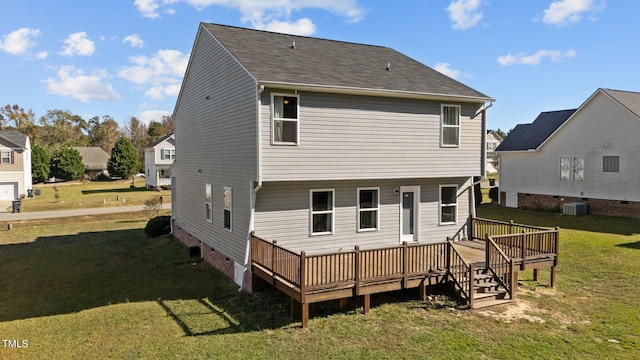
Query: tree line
[[54, 135]]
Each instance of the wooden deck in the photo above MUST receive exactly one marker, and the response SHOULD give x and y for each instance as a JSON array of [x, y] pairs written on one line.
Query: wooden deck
[[492, 260]]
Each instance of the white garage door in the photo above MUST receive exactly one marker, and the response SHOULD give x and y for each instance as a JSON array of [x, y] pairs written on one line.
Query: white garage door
[[8, 191]]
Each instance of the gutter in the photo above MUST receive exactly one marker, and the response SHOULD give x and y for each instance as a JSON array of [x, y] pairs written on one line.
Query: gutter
[[255, 186]]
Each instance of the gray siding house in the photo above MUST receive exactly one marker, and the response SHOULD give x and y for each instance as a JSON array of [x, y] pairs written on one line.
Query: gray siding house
[[587, 155], [320, 145]]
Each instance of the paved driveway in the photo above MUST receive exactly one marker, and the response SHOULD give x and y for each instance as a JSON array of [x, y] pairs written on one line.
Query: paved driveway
[[5, 206]]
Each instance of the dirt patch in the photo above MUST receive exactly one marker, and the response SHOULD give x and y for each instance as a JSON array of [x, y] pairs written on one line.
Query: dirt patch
[[518, 310]]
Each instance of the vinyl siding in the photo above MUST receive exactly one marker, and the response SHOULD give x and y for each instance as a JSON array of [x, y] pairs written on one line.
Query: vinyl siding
[[352, 137], [600, 128], [282, 214], [215, 127]]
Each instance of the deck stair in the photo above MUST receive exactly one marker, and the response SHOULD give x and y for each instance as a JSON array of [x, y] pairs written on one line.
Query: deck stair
[[487, 290]]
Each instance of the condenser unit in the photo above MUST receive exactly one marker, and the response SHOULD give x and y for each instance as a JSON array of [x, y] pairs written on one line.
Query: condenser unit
[[574, 208]]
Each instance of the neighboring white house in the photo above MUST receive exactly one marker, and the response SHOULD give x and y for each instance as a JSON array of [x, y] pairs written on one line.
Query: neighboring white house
[[158, 158], [587, 155], [15, 165], [321, 145], [493, 141]]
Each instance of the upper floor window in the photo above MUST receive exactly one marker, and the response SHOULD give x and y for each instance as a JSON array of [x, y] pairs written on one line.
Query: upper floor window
[[285, 119], [578, 168], [368, 209], [207, 203], [168, 154], [5, 157], [322, 210], [565, 168], [611, 164], [227, 207], [450, 125]]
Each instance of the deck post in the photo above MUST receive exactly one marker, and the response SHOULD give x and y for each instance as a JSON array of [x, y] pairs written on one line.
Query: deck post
[[486, 251], [303, 277], [472, 270], [536, 273], [356, 270], [448, 254], [552, 279], [367, 303], [273, 263], [523, 250], [305, 315], [510, 226], [405, 264], [514, 279], [557, 243]]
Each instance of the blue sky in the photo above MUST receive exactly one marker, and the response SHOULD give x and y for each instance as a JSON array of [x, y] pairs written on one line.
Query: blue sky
[[127, 58]]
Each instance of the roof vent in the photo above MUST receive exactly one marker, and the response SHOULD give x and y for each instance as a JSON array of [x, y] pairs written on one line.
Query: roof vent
[[293, 45], [388, 66]]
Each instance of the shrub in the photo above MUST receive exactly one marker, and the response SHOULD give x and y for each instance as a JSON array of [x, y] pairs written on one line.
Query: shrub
[[153, 206], [159, 225], [166, 187]]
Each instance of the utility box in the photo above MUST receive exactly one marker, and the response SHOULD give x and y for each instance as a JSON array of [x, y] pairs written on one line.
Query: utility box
[[574, 208], [17, 204]]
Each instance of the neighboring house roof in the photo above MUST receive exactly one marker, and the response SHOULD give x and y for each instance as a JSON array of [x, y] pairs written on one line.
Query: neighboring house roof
[[530, 136], [171, 139], [93, 158], [14, 137], [495, 134], [276, 59], [628, 99]]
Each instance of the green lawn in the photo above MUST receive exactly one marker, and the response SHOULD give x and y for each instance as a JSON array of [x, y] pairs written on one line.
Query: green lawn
[[98, 288], [87, 194]]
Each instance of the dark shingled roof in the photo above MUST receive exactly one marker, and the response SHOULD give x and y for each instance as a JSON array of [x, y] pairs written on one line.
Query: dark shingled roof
[[530, 136], [13, 137], [272, 58], [93, 157], [171, 138]]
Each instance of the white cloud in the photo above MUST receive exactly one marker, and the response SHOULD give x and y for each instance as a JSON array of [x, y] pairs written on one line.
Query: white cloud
[[134, 40], [465, 14], [72, 82], [19, 41], [264, 14], [566, 12], [163, 72], [78, 44], [446, 69], [152, 115], [301, 27], [42, 55], [535, 59]]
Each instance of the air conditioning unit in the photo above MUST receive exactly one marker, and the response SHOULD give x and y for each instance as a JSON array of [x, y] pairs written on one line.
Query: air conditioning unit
[[574, 208]]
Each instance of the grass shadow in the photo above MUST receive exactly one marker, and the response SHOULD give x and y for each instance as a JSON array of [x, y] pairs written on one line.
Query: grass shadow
[[592, 223], [633, 245], [59, 275], [120, 190]]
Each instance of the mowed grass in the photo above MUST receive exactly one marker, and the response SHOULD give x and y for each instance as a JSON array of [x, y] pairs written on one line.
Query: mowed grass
[[99, 288], [88, 194]]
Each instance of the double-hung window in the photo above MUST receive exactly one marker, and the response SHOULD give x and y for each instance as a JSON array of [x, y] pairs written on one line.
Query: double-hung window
[[321, 216], [611, 164], [286, 121], [227, 207], [5, 156], [448, 204], [565, 168], [168, 154], [368, 209], [207, 203], [450, 125], [578, 168]]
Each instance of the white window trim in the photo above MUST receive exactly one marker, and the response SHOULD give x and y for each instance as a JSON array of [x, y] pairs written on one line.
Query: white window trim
[[443, 126], [3, 157], [441, 205], [332, 212], [376, 209], [229, 209], [208, 187], [273, 119]]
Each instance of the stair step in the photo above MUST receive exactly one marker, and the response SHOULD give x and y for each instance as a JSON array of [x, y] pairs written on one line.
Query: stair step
[[494, 302], [482, 276], [485, 285], [489, 294]]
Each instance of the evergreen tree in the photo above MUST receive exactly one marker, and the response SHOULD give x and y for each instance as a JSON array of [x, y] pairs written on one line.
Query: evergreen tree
[[40, 159], [66, 164], [124, 159]]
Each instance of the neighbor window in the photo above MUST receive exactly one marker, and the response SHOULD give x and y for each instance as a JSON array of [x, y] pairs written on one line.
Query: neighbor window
[[207, 203], [5, 156], [611, 164], [285, 119], [168, 154], [368, 209], [450, 125], [227, 207], [578, 168], [565, 168], [448, 204], [322, 210]]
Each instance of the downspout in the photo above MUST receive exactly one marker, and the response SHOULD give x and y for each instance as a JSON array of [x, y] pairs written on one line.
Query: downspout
[[255, 186]]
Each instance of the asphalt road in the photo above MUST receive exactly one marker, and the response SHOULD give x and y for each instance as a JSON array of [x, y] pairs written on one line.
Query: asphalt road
[[8, 216]]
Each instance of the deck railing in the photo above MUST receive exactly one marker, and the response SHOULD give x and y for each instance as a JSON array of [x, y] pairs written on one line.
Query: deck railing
[[528, 246], [480, 227], [501, 266], [461, 273]]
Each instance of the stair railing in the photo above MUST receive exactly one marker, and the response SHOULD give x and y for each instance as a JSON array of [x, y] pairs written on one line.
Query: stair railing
[[500, 265], [460, 272]]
